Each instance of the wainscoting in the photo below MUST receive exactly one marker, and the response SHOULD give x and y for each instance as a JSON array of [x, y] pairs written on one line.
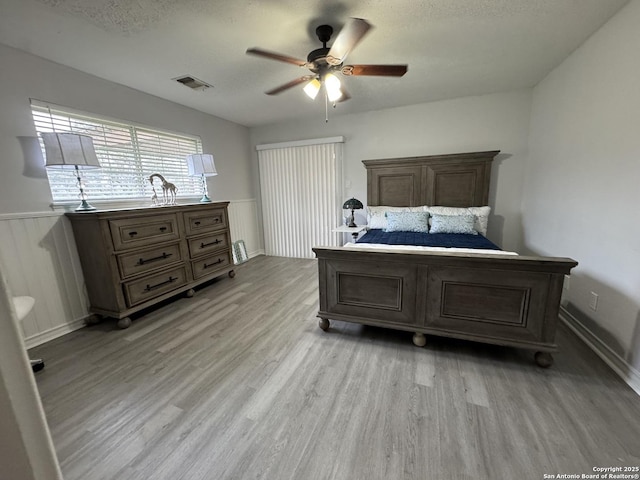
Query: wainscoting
[[39, 257], [38, 253], [243, 223]]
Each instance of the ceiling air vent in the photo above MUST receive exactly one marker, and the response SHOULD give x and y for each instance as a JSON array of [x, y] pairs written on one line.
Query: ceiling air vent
[[192, 82]]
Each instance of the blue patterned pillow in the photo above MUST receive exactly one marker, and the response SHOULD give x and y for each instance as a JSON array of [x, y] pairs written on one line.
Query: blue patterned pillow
[[453, 224], [407, 222]]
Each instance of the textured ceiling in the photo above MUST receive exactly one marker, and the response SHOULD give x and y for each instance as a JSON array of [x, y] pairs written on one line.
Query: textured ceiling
[[454, 48]]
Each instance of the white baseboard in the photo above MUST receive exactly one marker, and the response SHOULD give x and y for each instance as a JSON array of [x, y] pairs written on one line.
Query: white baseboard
[[629, 374], [47, 335], [256, 253]]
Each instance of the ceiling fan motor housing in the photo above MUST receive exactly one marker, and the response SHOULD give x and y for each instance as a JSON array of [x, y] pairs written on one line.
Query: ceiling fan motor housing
[[316, 59], [324, 33], [318, 56]]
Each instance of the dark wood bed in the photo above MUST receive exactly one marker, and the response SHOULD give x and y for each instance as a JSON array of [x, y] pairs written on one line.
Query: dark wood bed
[[499, 299]]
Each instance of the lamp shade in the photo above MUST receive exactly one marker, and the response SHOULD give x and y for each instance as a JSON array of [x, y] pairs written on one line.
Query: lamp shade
[[332, 85], [312, 88], [352, 204], [201, 164], [69, 150]]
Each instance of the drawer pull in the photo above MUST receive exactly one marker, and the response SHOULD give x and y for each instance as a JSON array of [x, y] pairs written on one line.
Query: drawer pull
[[162, 229], [197, 223], [216, 220], [164, 255], [216, 242], [207, 265], [133, 233], [151, 287]]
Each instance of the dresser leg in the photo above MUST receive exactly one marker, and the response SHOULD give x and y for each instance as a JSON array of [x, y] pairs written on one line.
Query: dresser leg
[[419, 340], [232, 273], [544, 359], [324, 323], [124, 323], [190, 293]]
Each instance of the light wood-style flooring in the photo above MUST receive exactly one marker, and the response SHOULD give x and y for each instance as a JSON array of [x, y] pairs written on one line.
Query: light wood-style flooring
[[239, 382]]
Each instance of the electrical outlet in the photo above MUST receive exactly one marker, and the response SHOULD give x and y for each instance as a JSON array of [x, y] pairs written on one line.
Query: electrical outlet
[[593, 301], [567, 282]]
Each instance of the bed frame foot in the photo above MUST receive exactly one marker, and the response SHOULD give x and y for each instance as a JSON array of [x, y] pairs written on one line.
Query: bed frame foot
[[324, 323], [544, 359], [419, 340]]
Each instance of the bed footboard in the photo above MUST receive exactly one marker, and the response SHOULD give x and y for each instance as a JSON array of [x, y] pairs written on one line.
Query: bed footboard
[[498, 299]]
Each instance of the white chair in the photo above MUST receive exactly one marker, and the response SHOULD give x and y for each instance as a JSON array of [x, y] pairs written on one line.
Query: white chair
[[23, 306]]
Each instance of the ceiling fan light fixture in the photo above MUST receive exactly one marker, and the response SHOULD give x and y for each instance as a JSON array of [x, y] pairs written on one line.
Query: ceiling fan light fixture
[[312, 88], [334, 96], [332, 85]]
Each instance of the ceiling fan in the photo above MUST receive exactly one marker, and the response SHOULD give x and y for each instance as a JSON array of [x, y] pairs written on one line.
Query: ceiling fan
[[325, 62]]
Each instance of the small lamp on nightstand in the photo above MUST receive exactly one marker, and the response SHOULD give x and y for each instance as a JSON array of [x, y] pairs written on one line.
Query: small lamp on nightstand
[[352, 204], [201, 164]]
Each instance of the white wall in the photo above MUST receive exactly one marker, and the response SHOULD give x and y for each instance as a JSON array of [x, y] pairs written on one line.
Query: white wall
[[583, 177], [489, 122]]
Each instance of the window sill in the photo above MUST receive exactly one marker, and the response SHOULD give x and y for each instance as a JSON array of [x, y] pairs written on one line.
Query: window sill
[[118, 204]]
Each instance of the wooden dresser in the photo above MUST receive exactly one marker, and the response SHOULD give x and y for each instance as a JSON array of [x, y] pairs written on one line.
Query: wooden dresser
[[135, 258]]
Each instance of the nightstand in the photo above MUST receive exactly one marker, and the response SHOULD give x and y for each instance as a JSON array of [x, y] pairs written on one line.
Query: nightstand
[[354, 231]]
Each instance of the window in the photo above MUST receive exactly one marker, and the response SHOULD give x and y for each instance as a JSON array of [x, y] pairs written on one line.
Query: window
[[128, 155]]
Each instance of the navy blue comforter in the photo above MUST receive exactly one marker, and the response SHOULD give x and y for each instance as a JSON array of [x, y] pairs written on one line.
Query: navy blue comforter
[[458, 240]]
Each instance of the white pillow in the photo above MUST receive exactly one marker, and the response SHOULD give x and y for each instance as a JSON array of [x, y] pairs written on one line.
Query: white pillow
[[376, 215], [481, 214]]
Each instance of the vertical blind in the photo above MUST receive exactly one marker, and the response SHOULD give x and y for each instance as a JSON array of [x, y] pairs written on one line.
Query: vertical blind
[[128, 155], [301, 198]]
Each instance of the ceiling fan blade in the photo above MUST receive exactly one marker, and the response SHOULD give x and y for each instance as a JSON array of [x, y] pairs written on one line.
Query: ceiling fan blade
[[276, 56], [291, 84], [347, 39], [375, 70]]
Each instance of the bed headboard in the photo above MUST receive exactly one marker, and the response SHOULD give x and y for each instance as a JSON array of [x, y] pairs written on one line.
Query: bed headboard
[[452, 180]]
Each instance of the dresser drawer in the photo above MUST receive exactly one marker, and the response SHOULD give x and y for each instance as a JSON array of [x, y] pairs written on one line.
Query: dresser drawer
[[142, 261], [141, 231], [208, 244], [207, 221], [209, 265], [138, 291]]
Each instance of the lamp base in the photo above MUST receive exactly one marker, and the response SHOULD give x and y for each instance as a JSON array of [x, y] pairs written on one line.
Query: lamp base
[[352, 222], [205, 199], [85, 207]]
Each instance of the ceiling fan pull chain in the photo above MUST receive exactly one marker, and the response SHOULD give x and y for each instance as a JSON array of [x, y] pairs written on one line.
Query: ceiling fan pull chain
[[326, 108]]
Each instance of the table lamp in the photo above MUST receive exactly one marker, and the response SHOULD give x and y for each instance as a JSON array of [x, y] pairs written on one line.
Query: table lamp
[[352, 204], [202, 164], [71, 150]]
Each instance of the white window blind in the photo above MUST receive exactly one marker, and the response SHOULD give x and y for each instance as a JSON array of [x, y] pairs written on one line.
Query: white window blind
[[301, 196], [128, 155]]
